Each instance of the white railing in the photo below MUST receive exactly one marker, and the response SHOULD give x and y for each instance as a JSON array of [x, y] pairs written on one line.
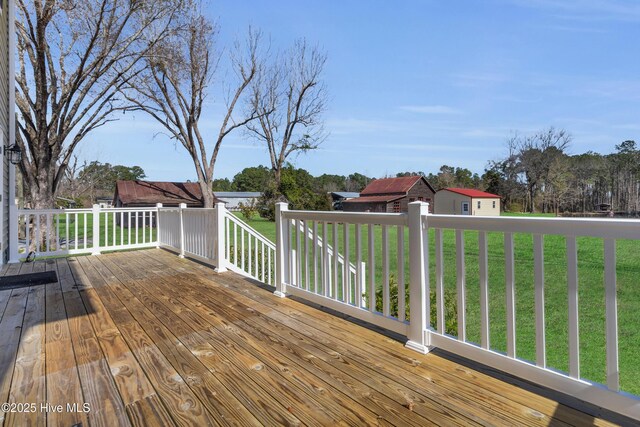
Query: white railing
[[381, 267], [247, 251], [571, 230], [238, 247], [55, 232], [169, 227], [199, 233], [318, 272], [305, 269]]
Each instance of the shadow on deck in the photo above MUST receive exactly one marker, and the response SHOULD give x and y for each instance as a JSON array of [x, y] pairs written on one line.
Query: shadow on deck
[[147, 338]]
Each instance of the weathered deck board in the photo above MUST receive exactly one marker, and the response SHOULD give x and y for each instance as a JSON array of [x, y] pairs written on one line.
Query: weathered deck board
[[332, 350], [10, 332], [368, 342], [98, 386], [252, 340], [310, 393], [183, 406], [147, 338]]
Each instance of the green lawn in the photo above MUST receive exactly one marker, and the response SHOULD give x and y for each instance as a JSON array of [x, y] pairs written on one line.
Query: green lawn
[[591, 295]]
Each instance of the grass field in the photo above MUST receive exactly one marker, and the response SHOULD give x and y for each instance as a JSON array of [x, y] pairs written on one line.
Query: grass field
[[591, 296]]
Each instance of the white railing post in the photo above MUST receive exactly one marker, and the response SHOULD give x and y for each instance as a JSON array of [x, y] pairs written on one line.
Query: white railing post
[[282, 254], [13, 232], [182, 206], [95, 250], [221, 262], [158, 207], [418, 281]]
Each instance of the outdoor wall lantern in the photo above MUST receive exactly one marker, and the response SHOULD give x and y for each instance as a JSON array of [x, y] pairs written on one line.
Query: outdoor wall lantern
[[14, 153]]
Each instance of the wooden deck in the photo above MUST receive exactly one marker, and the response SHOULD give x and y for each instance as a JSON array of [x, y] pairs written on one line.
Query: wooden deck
[[147, 338]]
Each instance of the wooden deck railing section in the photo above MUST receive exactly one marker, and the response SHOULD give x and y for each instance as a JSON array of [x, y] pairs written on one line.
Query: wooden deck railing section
[[372, 266], [54, 232]]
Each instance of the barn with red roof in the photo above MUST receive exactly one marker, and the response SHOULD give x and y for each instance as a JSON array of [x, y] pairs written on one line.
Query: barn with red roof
[[148, 193], [466, 201], [391, 195]]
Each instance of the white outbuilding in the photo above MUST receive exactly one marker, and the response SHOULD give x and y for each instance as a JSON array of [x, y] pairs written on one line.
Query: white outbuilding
[[465, 201]]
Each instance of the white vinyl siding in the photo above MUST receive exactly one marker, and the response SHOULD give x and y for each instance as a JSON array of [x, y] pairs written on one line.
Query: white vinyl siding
[[4, 122]]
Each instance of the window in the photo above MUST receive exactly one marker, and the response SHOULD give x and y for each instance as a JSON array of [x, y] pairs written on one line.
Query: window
[[420, 199], [412, 199], [396, 207], [479, 204], [494, 204]]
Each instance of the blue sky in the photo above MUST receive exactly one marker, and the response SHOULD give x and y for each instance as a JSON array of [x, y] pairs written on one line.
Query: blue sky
[[417, 84]]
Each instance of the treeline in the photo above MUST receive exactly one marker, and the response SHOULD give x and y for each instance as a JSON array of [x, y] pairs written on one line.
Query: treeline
[[305, 191], [301, 189], [537, 175], [83, 183]]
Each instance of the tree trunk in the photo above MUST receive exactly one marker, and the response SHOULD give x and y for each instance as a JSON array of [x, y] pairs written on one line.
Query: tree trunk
[[41, 192], [42, 197], [207, 194], [277, 174]]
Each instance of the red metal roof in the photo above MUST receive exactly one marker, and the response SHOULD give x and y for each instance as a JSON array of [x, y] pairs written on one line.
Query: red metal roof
[[148, 193], [476, 194], [374, 199], [390, 185]]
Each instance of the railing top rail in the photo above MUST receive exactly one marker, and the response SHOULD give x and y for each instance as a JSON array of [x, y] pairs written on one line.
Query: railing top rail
[[54, 211], [130, 209], [197, 210], [82, 210], [579, 227], [349, 217]]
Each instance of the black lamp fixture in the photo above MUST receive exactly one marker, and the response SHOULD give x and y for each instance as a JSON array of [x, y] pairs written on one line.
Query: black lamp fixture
[[14, 153]]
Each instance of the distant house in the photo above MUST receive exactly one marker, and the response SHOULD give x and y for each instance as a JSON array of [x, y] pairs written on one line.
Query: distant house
[[104, 202], [391, 195], [465, 201], [149, 193], [338, 197], [63, 202], [142, 194], [232, 199]]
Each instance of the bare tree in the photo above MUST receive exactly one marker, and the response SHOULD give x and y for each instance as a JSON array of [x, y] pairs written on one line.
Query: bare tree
[[290, 99], [73, 57], [536, 155], [176, 82]]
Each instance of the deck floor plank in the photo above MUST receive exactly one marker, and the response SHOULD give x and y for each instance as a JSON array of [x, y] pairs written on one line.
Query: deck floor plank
[[527, 407], [147, 338], [97, 384], [211, 393], [10, 334], [268, 392], [180, 402], [316, 389], [29, 377], [203, 382], [359, 385], [63, 381], [138, 395], [465, 408]]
